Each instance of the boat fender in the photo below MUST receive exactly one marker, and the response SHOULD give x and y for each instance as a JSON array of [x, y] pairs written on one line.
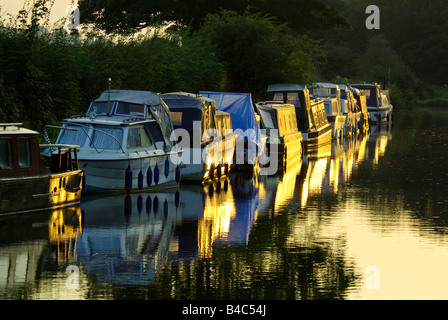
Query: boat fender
[[177, 174], [149, 176], [167, 167], [140, 179], [218, 171], [210, 191], [226, 169], [156, 175], [211, 172], [128, 179]]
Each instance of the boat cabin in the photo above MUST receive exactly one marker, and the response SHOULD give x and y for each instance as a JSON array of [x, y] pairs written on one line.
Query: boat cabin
[[187, 108], [331, 94], [120, 121], [19, 152], [375, 97], [310, 113], [223, 122], [278, 116]]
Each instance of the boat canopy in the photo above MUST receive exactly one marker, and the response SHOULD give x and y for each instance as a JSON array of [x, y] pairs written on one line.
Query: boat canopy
[[371, 92], [242, 113], [128, 105], [131, 96], [286, 87], [185, 108]]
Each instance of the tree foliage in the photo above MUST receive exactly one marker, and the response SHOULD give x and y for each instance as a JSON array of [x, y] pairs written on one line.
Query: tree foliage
[[46, 76], [128, 16], [256, 51]]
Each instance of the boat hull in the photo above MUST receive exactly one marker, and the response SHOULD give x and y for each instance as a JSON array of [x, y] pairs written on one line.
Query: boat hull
[[130, 174], [380, 115], [208, 162], [34, 193], [317, 138], [337, 123], [290, 148]]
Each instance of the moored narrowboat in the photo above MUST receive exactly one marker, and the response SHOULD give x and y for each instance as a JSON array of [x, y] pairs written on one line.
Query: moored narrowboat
[[377, 101], [331, 95], [284, 143], [310, 113], [26, 183]]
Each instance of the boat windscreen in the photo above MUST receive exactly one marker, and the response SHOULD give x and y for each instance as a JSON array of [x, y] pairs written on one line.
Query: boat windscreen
[[370, 94], [100, 107], [130, 109], [72, 136], [107, 139]]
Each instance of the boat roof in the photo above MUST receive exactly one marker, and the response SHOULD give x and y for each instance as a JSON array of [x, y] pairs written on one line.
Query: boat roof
[[365, 85], [180, 100], [327, 85], [14, 128], [343, 87], [286, 87], [130, 96], [111, 121]]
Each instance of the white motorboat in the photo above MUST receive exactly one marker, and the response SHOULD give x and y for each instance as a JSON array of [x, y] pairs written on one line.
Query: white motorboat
[[125, 142]]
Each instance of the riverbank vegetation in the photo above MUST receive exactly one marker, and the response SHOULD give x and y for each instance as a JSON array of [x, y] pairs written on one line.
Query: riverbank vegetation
[[49, 73]]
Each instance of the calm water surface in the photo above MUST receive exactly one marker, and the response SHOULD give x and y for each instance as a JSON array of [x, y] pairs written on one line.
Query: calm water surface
[[367, 219]]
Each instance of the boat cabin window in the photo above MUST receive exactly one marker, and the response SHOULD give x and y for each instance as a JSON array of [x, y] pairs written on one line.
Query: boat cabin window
[[138, 138], [107, 139], [131, 109], [100, 107], [327, 92], [155, 131], [293, 98], [5, 154], [176, 117], [24, 152], [370, 95]]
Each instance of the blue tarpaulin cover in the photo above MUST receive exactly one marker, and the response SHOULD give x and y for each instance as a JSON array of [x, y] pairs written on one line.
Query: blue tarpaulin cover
[[241, 110]]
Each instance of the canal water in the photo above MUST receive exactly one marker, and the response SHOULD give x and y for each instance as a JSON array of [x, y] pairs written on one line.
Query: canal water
[[365, 219]]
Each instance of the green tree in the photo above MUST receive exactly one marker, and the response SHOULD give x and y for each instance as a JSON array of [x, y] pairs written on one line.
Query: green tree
[[257, 51], [126, 16]]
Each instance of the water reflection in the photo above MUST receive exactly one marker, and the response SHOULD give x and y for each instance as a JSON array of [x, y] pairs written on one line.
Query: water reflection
[[308, 232], [33, 247], [126, 239]]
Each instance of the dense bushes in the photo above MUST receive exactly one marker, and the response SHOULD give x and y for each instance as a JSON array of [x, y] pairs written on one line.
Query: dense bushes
[[47, 76]]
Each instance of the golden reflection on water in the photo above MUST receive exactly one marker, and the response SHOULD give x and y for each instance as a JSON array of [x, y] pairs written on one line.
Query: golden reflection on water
[[219, 210], [319, 213]]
